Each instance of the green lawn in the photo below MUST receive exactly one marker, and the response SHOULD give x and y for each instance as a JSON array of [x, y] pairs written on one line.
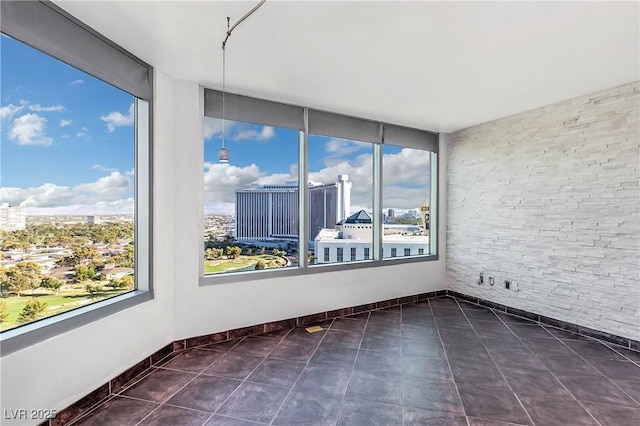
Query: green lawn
[[65, 300], [224, 265]]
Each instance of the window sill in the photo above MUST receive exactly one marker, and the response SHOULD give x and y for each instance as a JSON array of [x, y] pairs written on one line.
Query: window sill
[[313, 269]]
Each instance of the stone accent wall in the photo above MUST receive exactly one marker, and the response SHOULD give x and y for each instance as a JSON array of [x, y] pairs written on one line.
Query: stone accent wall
[[550, 199]]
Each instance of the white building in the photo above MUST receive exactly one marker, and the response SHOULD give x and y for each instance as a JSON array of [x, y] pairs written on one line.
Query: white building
[[93, 220], [12, 218], [352, 241]]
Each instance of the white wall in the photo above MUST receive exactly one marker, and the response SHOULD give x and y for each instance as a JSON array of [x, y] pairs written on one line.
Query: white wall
[[550, 198], [57, 372]]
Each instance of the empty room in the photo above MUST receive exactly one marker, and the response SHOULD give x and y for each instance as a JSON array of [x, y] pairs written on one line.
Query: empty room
[[319, 213]]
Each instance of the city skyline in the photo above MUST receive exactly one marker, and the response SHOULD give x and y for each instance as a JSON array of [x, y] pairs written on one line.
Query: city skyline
[[265, 155]]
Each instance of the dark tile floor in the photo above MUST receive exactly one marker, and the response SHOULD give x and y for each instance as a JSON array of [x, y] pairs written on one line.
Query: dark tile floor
[[441, 362]]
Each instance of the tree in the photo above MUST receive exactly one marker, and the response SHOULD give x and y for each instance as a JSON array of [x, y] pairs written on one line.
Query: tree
[[32, 310], [212, 253], [84, 273], [52, 283], [126, 282], [4, 313], [4, 280], [125, 259], [82, 255], [129, 282], [232, 252], [24, 276], [93, 290], [279, 253], [261, 265]]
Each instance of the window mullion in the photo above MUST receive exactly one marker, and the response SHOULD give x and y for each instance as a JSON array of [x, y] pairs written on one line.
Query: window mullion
[[377, 199], [303, 194]]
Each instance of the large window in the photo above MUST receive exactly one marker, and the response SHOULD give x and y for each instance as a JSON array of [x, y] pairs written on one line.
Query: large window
[[405, 199], [340, 196], [368, 190], [251, 212], [74, 198]]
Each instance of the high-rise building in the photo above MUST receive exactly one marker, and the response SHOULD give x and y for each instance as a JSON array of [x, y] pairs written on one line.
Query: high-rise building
[[12, 218], [391, 214], [344, 198], [323, 200], [271, 211]]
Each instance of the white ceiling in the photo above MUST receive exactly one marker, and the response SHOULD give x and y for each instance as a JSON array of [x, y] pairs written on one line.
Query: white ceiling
[[439, 66]]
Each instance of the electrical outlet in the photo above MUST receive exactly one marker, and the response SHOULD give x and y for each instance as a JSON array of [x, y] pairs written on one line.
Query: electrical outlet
[[491, 282], [507, 284], [514, 286], [481, 280]]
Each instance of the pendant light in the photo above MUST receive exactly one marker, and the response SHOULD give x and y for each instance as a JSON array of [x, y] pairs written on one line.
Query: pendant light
[[223, 152]]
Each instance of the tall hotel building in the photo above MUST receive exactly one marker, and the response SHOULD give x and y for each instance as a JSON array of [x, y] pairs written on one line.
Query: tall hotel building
[[271, 211], [12, 218]]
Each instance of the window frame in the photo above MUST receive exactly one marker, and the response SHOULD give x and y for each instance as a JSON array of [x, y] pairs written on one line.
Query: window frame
[[271, 113], [47, 28]]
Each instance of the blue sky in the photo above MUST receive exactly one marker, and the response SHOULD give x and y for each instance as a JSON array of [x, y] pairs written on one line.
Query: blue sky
[[66, 137], [66, 145]]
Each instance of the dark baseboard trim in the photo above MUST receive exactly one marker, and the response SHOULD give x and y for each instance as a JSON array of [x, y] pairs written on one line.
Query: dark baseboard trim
[[562, 325], [109, 389]]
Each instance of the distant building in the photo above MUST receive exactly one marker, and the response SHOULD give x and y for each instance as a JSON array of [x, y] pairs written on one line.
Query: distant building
[[271, 211], [391, 214], [352, 241], [12, 218], [93, 220]]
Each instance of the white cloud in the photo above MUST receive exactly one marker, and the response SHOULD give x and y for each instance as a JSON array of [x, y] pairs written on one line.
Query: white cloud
[[116, 119], [65, 123], [83, 133], [51, 108], [222, 179], [8, 111], [107, 189], [213, 127], [29, 129], [78, 81], [338, 149], [406, 180], [102, 168], [266, 133]]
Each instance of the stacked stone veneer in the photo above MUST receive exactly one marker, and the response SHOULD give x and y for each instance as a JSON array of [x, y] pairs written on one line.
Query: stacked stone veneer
[[550, 198]]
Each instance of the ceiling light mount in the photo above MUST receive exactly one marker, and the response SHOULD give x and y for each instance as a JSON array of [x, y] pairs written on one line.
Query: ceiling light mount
[[223, 152]]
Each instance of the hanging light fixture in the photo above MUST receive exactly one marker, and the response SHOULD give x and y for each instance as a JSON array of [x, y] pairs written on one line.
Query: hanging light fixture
[[223, 152]]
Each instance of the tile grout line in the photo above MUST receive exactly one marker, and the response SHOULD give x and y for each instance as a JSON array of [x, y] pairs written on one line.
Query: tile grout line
[[551, 372], [538, 358], [602, 374], [366, 324], [300, 374], [592, 340], [494, 361], [243, 381], [464, 409]]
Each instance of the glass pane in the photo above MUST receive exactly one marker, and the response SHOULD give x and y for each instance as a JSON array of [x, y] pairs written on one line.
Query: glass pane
[[67, 194], [340, 200], [250, 201], [405, 201]]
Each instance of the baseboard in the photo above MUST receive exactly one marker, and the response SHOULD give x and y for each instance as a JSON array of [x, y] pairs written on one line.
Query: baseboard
[[563, 325], [107, 390]]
